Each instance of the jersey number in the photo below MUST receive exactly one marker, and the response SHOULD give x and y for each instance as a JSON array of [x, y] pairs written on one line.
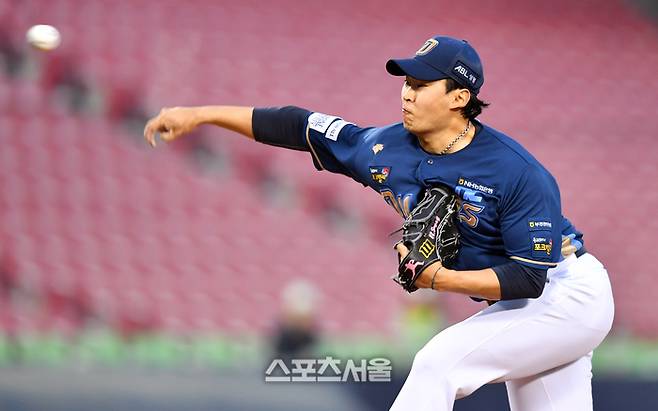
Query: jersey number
[[468, 214]]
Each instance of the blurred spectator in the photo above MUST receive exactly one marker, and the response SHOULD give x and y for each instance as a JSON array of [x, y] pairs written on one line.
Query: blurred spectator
[[8, 273], [60, 74], [650, 7], [296, 334], [124, 104], [10, 56], [136, 318], [67, 305]]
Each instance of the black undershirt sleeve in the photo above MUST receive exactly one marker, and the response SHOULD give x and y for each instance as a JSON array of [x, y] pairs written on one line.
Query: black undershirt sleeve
[[520, 281], [281, 126]]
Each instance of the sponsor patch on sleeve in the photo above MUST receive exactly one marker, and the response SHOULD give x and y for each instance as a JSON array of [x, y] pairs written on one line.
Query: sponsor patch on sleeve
[[334, 129], [542, 244], [539, 224], [320, 122]]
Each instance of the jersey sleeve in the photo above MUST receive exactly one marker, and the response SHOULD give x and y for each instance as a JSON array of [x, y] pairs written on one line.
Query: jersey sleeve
[[531, 219], [334, 144], [570, 230]]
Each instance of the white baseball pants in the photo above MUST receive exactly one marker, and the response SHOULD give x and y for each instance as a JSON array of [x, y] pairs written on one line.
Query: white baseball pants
[[541, 348]]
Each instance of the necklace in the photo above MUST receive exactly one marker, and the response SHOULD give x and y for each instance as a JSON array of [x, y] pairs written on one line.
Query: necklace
[[459, 137]]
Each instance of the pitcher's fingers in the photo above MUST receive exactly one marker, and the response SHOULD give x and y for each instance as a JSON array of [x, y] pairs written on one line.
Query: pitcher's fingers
[[568, 250], [150, 129], [401, 249], [170, 132], [167, 135]]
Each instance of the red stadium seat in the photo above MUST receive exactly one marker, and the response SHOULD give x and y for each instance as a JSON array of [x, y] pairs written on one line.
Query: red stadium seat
[[206, 251]]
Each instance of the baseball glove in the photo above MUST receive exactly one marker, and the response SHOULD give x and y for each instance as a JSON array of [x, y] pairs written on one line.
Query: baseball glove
[[430, 233]]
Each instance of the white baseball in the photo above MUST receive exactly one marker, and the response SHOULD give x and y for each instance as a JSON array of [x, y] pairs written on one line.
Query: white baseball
[[43, 37]]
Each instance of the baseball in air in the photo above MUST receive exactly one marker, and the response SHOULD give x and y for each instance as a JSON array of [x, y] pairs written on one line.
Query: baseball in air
[[43, 37]]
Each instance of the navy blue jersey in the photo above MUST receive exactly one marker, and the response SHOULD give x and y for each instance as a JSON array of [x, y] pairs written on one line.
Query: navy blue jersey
[[510, 204]]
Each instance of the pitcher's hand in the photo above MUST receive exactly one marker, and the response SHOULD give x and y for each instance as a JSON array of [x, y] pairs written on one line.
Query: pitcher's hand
[[171, 123]]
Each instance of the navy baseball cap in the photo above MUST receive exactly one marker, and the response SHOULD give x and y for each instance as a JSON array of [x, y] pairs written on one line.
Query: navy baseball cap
[[439, 58]]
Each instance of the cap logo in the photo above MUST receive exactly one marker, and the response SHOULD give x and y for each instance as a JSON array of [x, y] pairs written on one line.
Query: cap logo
[[427, 47], [466, 73]]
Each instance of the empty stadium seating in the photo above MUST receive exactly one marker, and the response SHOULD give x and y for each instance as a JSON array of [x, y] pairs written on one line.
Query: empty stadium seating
[[98, 222]]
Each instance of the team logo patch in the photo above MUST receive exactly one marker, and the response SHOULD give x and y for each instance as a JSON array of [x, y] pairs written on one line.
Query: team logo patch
[[380, 174], [427, 248], [427, 47], [542, 244], [377, 148]]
